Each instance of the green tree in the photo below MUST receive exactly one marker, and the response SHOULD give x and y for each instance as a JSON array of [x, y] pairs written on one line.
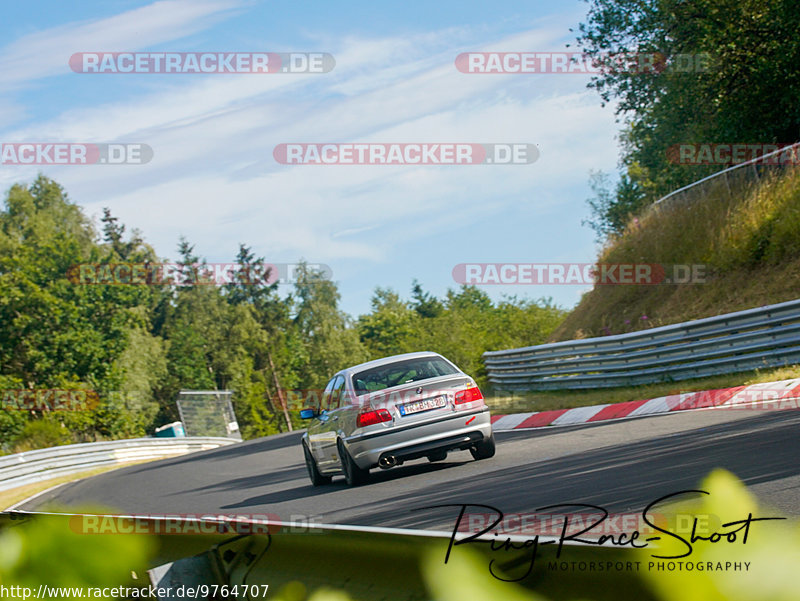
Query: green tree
[[612, 210], [55, 330], [328, 340], [267, 370], [391, 327], [747, 92], [464, 326], [424, 303]]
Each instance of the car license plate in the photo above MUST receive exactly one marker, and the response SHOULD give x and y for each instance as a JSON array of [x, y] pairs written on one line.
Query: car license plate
[[423, 405]]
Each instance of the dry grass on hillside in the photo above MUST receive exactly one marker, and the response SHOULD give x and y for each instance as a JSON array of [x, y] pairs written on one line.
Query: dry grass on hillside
[[746, 237]]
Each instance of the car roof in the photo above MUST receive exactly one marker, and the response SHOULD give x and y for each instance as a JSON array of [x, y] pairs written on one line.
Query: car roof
[[387, 361]]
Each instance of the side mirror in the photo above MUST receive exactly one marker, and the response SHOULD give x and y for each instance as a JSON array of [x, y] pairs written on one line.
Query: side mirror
[[308, 413]]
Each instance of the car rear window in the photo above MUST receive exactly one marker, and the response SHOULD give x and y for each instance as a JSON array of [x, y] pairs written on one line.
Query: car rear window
[[401, 372]]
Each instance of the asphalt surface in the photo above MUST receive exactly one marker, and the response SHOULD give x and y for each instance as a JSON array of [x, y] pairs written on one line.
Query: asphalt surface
[[621, 465]]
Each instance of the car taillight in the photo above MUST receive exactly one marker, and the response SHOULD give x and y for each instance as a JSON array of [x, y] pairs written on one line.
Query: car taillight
[[370, 418], [468, 395]]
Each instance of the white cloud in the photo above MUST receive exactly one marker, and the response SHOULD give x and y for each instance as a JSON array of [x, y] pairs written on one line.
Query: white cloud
[[47, 52], [214, 180]]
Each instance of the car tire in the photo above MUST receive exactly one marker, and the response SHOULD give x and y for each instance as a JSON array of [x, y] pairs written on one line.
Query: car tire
[[353, 474], [317, 479], [484, 449], [440, 456]]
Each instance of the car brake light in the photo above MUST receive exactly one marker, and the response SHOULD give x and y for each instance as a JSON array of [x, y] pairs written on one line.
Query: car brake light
[[468, 395], [370, 418]]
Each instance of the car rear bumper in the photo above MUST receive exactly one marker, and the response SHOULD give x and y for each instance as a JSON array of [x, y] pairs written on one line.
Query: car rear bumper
[[452, 432]]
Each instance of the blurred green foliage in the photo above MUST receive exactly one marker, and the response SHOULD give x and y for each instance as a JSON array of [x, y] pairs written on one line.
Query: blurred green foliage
[[772, 550], [45, 551]]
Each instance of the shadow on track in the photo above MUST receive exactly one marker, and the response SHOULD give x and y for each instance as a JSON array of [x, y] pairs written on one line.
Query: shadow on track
[[376, 477], [250, 447], [623, 478]]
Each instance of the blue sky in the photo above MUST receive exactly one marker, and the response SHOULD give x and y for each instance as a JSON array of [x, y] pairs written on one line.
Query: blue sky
[[213, 178]]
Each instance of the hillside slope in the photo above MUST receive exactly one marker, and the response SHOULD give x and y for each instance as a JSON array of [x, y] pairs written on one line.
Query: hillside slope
[[746, 236]]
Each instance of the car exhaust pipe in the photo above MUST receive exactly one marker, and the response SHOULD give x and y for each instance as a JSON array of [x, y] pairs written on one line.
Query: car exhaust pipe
[[387, 461]]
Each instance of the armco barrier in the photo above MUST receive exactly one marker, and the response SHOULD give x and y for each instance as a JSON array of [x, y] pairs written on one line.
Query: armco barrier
[[34, 466], [725, 176], [764, 337]]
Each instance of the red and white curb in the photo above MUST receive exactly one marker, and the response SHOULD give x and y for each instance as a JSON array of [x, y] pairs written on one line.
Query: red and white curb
[[769, 395]]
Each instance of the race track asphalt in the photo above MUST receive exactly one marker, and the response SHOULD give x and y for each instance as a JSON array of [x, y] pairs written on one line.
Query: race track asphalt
[[621, 465]]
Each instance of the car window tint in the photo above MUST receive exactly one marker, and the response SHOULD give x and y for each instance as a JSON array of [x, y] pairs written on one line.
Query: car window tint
[[401, 372], [326, 395], [336, 393]]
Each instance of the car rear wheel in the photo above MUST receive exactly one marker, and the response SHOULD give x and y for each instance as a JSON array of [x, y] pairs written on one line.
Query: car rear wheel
[[317, 479], [484, 449], [353, 474]]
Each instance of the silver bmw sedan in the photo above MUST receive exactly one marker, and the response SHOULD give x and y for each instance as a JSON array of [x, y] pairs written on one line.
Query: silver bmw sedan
[[388, 411]]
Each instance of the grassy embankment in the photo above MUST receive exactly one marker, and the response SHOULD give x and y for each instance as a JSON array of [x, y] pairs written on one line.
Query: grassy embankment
[[747, 238]]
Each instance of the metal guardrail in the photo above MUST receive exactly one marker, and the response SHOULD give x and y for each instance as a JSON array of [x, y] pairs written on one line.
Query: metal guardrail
[[34, 466], [725, 173], [764, 337]]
